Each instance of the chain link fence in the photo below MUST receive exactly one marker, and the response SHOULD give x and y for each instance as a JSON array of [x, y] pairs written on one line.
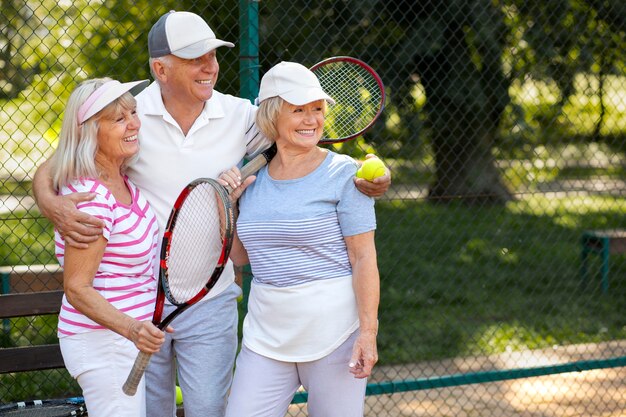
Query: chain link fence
[[502, 293]]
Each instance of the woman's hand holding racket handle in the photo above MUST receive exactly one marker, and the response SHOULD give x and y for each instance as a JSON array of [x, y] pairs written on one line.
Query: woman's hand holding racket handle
[[144, 336]]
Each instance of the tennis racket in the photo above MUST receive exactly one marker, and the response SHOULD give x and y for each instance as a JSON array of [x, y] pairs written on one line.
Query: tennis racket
[[68, 407], [359, 95], [194, 251]]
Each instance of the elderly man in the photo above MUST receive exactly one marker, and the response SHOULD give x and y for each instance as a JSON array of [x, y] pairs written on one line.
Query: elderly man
[[189, 130]]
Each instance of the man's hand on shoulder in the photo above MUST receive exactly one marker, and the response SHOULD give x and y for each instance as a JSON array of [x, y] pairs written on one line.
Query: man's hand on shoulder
[[376, 187], [77, 228]]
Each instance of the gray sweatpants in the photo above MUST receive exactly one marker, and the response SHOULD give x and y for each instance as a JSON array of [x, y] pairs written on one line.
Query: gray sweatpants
[[202, 349], [264, 387]]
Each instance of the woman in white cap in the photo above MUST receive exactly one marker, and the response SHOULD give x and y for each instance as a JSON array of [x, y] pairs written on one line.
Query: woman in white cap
[[308, 235], [110, 287]]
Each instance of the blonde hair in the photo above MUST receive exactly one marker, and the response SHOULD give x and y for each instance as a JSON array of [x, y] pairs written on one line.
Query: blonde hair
[[267, 115], [75, 154]]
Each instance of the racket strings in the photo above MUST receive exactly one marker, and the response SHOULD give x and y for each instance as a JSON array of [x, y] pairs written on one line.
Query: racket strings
[[196, 243], [358, 96]]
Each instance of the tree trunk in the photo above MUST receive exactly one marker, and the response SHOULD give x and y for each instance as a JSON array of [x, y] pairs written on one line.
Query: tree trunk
[[597, 131], [465, 169], [465, 103]]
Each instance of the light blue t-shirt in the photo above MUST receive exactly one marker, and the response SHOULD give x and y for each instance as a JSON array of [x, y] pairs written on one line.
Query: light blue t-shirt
[[293, 230]]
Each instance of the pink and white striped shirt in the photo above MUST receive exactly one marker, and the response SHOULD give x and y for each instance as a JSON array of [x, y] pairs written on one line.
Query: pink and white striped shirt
[[125, 277]]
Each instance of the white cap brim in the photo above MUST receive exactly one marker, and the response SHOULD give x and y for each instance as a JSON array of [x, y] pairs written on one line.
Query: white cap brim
[[196, 50], [305, 95], [294, 83]]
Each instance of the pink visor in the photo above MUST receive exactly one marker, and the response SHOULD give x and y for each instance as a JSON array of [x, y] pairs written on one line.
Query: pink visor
[[106, 94]]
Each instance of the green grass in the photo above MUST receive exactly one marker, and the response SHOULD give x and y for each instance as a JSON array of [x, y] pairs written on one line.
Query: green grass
[[460, 281]]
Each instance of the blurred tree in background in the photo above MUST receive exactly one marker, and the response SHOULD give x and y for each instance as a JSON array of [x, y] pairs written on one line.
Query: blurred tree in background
[[16, 70], [463, 58]]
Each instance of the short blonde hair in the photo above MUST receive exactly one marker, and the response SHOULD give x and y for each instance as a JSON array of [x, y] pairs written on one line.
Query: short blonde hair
[[267, 115], [75, 154]]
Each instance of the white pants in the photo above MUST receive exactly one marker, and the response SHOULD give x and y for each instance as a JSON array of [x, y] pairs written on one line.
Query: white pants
[[264, 387], [100, 361]]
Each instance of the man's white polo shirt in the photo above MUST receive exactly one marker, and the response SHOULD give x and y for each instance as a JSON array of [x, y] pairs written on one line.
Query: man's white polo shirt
[[168, 160]]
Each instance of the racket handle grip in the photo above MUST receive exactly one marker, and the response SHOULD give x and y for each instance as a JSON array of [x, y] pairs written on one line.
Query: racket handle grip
[[258, 162], [139, 367]]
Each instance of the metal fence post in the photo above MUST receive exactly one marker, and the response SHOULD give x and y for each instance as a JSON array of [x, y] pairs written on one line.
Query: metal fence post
[[5, 288], [248, 83], [249, 49]]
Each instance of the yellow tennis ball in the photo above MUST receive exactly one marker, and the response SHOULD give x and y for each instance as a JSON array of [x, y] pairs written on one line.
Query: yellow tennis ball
[[179, 396], [371, 168]]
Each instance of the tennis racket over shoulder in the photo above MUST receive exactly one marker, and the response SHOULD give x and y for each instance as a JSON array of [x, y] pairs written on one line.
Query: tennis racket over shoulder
[[194, 252], [67, 407], [359, 95]]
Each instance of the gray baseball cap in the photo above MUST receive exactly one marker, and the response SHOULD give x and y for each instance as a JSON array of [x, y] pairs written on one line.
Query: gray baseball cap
[[183, 34]]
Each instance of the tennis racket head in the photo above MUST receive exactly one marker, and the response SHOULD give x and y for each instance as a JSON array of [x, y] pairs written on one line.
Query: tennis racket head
[[196, 242], [359, 95], [194, 252], [68, 407]]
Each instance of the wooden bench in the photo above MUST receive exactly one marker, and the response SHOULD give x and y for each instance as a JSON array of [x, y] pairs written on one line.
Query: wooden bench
[[30, 358], [604, 243], [32, 291]]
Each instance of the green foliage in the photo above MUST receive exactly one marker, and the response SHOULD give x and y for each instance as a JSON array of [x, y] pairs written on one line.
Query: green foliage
[[26, 239], [73, 41], [16, 188]]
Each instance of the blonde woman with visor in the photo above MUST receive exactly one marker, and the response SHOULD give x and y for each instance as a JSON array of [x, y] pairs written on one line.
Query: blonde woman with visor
[[308, 234], [110, 287]]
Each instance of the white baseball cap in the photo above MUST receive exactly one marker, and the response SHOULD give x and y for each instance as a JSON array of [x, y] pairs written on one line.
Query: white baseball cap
[[292, 82], [106, 94], [183, 34]]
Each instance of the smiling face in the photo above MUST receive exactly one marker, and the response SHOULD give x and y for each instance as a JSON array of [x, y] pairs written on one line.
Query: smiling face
[[191, 80], [300, 126], [118, 129]]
